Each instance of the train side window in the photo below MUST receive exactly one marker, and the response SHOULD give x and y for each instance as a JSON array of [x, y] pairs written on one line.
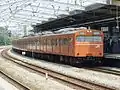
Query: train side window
[[41, 42], [60, 42], [54, 42], [65, 41], [69, 40]]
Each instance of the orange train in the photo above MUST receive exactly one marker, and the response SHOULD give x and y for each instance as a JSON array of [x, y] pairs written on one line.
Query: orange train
[[74, 46]]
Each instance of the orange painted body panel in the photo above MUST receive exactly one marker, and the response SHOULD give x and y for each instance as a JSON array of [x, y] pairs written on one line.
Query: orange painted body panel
[[89, 49]]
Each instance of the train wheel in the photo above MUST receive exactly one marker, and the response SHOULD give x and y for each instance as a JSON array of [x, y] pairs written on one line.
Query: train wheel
[[66, 60], [72, 61]]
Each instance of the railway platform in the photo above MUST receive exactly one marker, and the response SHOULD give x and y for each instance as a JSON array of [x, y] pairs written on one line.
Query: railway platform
[[112, 56]]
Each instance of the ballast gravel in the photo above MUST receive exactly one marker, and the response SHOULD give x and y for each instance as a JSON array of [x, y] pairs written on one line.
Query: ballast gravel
[[29, 79], [84, 74]]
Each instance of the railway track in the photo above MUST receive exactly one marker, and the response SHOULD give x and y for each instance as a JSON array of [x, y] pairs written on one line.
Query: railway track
[[68, 80], [104, 70], [13, 81]]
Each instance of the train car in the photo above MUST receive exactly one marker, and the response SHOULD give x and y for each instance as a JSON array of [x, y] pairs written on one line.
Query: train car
[[72, 47]]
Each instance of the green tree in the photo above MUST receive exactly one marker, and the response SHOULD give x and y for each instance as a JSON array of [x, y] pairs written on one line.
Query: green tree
[[4, 37]]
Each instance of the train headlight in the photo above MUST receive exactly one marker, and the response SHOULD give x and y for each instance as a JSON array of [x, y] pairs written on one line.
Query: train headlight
[[89, 31]]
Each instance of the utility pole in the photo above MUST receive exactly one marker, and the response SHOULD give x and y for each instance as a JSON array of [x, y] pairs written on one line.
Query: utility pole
[[25, 30], [4, 36], [109, 1]]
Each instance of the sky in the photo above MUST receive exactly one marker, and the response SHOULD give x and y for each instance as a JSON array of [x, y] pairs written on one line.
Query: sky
[[25, 12]]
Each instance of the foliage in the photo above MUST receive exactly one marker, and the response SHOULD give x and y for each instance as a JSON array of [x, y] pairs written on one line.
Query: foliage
[[4, 37], [115, 0]]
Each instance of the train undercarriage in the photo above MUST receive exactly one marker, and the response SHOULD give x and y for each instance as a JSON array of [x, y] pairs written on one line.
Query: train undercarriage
[[74, 61]]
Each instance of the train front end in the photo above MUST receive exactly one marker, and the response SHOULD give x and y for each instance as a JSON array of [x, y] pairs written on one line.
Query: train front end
[[89, 44]]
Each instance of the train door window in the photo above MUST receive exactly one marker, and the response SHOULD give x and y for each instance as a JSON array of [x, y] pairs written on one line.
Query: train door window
[[70, 40], [44, 42], [33, 44], [48, 42], [54, 42], [39, 41], [38, 44], [57, 42]]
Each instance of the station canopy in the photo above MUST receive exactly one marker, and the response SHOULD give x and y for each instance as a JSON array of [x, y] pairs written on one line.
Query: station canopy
[[96, 14]]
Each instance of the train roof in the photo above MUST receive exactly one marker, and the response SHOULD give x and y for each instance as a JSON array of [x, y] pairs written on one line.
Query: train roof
[[70, 31], [65, 31]]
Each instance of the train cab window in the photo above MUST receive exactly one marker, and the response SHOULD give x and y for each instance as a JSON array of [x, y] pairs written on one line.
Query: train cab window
[[80, 38], [97, 38], [88, 38]]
